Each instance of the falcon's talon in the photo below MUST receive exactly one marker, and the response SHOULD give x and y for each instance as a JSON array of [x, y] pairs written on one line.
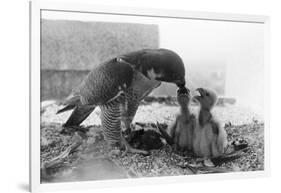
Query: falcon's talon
[[114, 152]]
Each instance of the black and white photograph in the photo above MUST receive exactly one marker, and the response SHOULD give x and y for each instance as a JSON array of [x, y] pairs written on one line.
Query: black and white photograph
[[137, 96]]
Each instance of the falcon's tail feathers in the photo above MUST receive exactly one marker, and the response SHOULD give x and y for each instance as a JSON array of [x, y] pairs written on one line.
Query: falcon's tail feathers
[[66, 108], [70, 103], [79, 114]]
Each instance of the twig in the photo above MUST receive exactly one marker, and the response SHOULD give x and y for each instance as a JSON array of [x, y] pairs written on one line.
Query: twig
[[60, 158]]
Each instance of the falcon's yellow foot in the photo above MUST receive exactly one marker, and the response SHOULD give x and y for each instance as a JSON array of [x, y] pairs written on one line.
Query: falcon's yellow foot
[[130, 149], [113, 149]]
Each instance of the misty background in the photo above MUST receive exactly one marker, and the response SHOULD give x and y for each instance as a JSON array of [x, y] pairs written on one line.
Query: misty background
[[225, 56]]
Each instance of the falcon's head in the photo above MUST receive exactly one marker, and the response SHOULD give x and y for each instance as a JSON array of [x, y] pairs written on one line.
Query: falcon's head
[[158, 64], [163, 65], [167, 73]]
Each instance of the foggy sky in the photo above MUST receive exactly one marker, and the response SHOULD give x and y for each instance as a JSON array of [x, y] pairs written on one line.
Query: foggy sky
[[239, 46]]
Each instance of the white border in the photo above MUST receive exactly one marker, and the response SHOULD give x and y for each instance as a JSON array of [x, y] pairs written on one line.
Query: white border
[[36, 7]]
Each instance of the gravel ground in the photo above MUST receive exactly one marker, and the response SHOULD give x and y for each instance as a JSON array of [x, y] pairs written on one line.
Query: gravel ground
[[239, 123]]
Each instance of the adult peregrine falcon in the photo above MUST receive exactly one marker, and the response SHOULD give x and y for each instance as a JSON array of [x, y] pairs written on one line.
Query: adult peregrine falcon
[[118, 85]]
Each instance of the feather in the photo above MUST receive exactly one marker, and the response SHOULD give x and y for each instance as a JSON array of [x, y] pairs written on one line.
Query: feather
[[79, 114]]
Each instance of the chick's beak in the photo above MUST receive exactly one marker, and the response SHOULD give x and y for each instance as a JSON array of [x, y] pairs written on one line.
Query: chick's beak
[[199, 92]]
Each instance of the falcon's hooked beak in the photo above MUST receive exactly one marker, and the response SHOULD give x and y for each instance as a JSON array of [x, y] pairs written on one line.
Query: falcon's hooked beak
[[155, 74], [180, 83]]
